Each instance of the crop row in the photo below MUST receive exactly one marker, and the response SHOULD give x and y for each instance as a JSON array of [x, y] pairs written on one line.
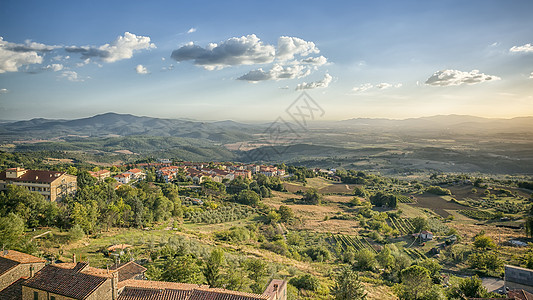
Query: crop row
[[477, 214], [347, 242], [403, 226], [415, 253]]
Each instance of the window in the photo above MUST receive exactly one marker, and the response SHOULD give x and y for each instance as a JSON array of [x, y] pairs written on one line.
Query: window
[[52, 297], [35, 296]]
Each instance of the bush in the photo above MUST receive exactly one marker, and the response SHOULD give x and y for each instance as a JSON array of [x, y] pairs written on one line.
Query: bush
[[437, 190], [306, 282], [76, 233]]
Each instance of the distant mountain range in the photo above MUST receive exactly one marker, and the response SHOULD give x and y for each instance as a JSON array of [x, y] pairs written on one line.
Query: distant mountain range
[[113, 124], [451, 143]]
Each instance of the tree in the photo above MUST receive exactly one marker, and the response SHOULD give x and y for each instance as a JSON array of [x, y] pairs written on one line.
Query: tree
[[483, 242], [213, 266], [470, 287], [364, 260], [347, 286], [385, 258], [419, 223], [248, 197], [181, 269], [285, 213], [485, 261], [11, 230], [312, 196], [433, 267], [256, 269], [273, 216], [382, 199], [529, 224], [85, 179], [415, 282], [306, 282]]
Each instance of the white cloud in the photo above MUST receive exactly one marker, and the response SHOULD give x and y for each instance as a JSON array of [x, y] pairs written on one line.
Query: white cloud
[[531, 75], [380, 86], [362, 88], [290, 46], [315, 84], [191, 30], [4, 91], [13, 56], [319, 61], [121, 48], [54, 67], [140, 69], [277, 72], [456, 77], [71, 75], [245, 50], [527, 48], [383, 86]]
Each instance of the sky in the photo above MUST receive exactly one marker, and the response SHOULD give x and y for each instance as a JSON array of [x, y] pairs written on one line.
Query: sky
[[250, 60]]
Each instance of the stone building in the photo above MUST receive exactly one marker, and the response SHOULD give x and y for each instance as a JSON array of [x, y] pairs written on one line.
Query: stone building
[[52, 185]]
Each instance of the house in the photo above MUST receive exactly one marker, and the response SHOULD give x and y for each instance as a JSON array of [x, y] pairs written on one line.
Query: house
[[518, 278], [426, 235], [123, 178], [78, 280], [53, 185], [136, 174], [14, 265], [101, 175]]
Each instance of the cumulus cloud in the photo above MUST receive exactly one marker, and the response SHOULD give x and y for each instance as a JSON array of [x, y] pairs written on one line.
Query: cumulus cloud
[[277, 72], [531, 75], [140, 69], [456, 77], [191, 30], [54, 67], [245, 50], [290, 46], [319, 61], [315, 84], [527, 48], [71, 75], [380, 86], [13, 56], [362, 87], [121, 48], [4, 91]]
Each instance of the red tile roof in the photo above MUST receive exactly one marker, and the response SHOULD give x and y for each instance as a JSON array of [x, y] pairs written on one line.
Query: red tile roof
[[222, 294], [13, 291], [34, 176], [65, 282], [152, 294], [128, 270], [11, 258]]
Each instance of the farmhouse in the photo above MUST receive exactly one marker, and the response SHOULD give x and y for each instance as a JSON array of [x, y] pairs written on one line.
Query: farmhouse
[[100, 175]]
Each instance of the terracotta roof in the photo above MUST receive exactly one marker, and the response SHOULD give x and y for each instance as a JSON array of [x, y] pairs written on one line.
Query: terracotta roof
[[35, 176], [20, 257], [65, 282], [13, 291], [128, 270], [7, 264], [135, 171], [148, 284], [222, 294], [11, 258], [153, 294]]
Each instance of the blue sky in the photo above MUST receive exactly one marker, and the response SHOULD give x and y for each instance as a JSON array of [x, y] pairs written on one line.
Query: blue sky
[[248, 60]]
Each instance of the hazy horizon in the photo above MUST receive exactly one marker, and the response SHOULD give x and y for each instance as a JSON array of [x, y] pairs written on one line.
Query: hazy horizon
[[355, 59]]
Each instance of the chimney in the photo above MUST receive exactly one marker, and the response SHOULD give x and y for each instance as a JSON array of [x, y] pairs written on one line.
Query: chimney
[[32, 271], [114, 285], [74, 258]]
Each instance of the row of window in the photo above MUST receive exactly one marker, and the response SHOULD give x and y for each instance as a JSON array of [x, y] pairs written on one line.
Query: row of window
[[36, 296]]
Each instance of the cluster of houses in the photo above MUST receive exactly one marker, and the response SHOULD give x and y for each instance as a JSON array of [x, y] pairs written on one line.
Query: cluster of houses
[[195, 172], [26, 277], [199, 172]]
